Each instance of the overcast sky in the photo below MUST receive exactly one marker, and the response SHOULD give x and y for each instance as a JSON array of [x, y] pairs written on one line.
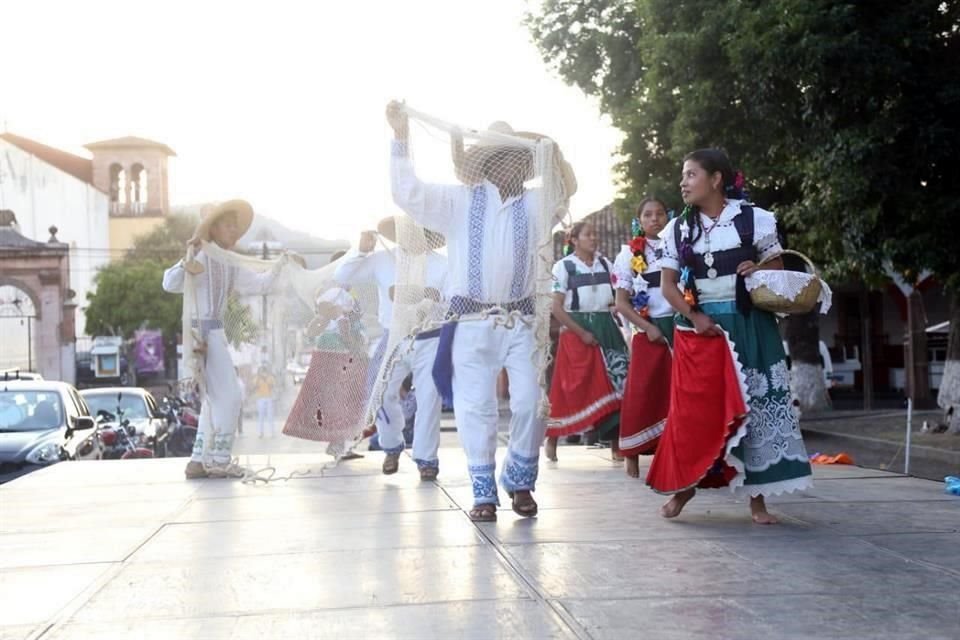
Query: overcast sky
[[282, 102]]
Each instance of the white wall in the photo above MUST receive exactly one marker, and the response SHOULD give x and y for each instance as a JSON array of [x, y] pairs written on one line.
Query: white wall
[[41, 195]]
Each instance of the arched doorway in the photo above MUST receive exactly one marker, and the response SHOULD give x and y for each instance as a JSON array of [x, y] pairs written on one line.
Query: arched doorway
[[18, 316]]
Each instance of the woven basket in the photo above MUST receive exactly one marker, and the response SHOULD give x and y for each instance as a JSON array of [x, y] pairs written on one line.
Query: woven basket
[[806, 300]]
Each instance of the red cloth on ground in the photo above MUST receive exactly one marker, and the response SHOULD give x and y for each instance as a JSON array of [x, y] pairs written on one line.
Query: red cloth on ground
[[646, 397], [322, 411], [581, 393], [707, 408]]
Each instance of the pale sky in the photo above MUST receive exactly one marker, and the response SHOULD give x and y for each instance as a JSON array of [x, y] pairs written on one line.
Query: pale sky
[[282, 102]]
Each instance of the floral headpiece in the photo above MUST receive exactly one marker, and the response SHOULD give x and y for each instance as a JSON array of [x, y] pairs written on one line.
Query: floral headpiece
[[689, 220], [638, 264], [737, 190]]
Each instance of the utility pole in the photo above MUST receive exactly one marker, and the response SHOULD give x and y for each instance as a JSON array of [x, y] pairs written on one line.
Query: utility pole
[[265, 254]]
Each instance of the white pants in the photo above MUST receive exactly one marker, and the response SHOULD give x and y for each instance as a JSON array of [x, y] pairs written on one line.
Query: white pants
[[480, 351], [264, 415], [222, 403], [426, 425]]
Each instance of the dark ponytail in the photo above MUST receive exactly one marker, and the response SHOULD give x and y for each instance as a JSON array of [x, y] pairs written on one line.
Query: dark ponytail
[[716, 161], [572, 234]]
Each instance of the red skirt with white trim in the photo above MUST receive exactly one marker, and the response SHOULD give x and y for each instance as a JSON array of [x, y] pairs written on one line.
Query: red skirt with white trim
[[706, 417], [646, 397], [581, 393]]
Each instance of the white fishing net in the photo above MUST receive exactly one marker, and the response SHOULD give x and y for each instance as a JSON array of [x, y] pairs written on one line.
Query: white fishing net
[[330, 338]]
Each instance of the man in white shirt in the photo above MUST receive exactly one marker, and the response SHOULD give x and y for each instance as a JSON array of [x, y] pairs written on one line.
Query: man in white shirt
[[366, 265], [491, 225]]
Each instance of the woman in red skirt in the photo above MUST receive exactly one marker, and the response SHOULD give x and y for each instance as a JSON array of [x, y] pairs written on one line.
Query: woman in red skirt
[[591, 363], [646, 396]]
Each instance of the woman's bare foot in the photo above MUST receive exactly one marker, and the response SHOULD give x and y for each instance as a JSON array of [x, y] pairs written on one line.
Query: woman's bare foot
[[758, 509], [679, 500], [633, 466], [550, 448], [615, 454]]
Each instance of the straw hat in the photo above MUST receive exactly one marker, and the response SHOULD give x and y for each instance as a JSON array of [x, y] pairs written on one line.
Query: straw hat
[[388, 229], [240, 208], [469, 163]]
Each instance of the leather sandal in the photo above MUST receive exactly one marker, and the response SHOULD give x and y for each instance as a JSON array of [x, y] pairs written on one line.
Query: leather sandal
[[428, 474], [483, 513], [523, 504], [391, 463]]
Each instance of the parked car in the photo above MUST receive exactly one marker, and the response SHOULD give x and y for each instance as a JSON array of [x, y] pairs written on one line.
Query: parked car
[[19, 374], [136, 410], [42, 423]]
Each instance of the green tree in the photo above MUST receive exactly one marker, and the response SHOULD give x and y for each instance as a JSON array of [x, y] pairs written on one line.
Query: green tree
[[129, 296], [840, 114], [129, 292]]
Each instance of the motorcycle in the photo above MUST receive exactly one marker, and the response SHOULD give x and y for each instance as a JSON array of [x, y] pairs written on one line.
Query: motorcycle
[[182, 423], [119, 439]]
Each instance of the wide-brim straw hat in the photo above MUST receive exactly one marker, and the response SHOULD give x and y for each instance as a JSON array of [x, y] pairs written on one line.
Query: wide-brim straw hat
[[239, 208], [387, 228], [469, 163]]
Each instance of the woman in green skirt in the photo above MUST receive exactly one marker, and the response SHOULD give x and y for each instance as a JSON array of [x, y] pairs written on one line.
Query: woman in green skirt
[[716, 242], [591, 363]]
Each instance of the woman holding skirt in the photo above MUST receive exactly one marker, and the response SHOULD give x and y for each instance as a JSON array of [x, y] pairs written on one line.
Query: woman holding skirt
[[731, 421], [591, 363], [646, 395]]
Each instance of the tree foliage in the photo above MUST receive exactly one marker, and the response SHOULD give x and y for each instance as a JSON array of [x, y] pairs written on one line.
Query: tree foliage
[[129, 292], [129, 296], [841, 114]]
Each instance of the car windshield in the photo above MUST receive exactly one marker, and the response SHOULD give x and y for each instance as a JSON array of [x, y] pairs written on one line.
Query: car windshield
[[134, 407], [30, 410]]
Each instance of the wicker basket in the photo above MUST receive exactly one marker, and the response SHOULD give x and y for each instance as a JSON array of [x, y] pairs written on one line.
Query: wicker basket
[[805, 302]]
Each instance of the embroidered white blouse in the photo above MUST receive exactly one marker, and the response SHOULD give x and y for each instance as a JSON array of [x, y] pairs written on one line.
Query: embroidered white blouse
[[592, 298], [622, 269], [490, 242], [722, 237]]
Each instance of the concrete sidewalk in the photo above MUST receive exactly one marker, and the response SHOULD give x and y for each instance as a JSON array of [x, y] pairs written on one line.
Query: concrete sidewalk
[[127, 549]]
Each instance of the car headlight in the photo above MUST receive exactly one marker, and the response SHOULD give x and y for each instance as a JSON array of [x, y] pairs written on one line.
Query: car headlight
[[46, 453]]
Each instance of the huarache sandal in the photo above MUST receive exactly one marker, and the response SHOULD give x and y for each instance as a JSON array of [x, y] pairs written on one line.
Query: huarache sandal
[[428, 474], [391, 463], [483, 513], [523, 504]]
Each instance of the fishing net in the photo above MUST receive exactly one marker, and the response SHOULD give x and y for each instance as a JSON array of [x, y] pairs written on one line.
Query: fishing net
[[332, 338]]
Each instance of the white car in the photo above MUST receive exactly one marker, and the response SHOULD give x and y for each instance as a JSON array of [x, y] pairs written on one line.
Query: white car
[[17, 374]]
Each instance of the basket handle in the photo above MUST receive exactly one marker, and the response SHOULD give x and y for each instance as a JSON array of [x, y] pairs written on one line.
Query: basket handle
[[813, 267]]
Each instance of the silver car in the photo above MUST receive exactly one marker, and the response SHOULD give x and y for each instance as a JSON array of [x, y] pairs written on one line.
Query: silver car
[[42, 423]]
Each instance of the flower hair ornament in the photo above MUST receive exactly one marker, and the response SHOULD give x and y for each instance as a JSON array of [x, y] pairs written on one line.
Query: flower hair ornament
[[567, 244], [689, 222], [638, 264], [737, 190]]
